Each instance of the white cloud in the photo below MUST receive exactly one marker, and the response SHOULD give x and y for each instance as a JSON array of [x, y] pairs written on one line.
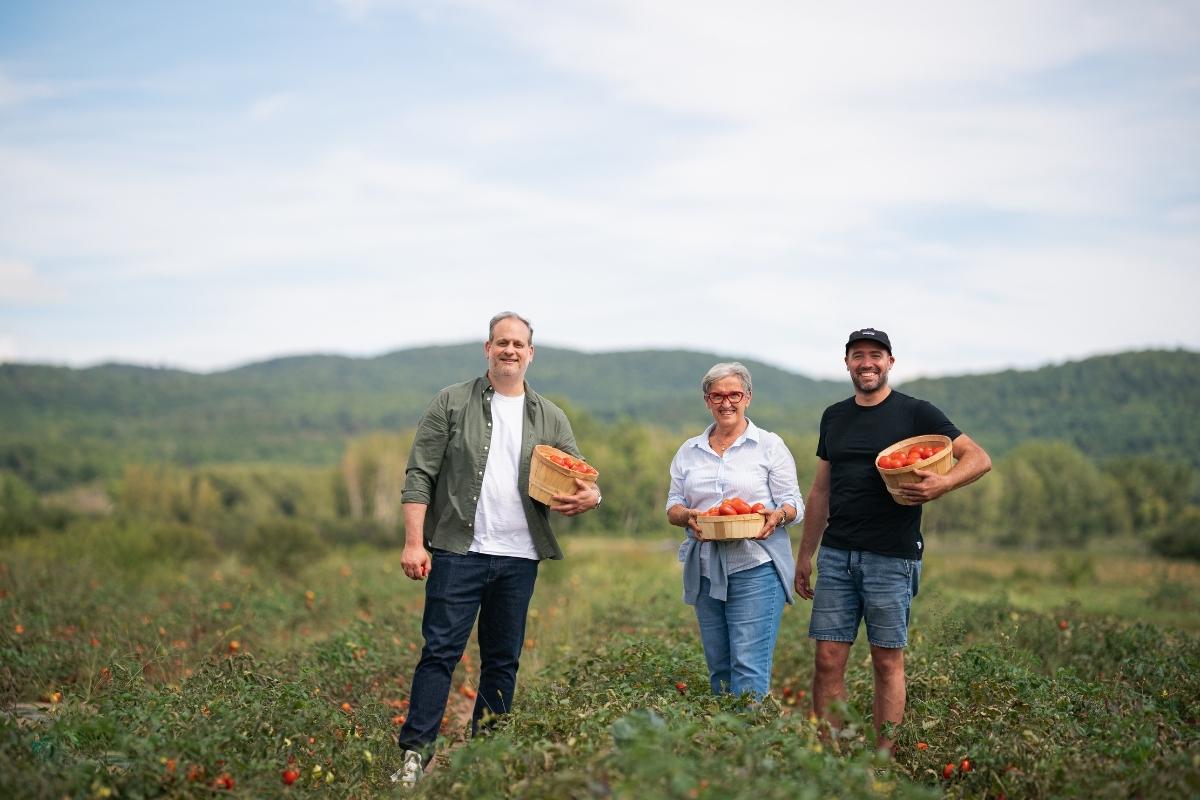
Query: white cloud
[[357, 9], [15, 92], [771, 159], [272, 106], [20, 283], [759, 58]]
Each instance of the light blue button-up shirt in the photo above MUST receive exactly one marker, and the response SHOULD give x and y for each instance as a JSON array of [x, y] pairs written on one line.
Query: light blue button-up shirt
[[757, 467]]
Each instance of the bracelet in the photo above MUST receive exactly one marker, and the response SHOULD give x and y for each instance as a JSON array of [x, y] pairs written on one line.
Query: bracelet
[[599, 497], [783, 520]]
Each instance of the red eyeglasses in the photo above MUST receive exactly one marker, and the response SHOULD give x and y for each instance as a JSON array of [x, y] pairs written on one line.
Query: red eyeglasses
[[716, 398]]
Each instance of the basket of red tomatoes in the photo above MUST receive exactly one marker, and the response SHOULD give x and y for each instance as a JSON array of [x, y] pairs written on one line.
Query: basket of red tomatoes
[[898, 463], [733, 519], [551, 472]]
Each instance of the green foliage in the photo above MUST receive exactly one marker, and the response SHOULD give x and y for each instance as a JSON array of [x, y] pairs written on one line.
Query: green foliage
[[151, 689], [1128, 404], [372, 475], [283, 543], [1180, 538], [1155, 492], [1046, 494], [610, 722], [22, 512], [633, 462], [64, 426]]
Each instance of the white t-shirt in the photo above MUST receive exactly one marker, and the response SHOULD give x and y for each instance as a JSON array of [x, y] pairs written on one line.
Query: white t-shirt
[[500, 525]]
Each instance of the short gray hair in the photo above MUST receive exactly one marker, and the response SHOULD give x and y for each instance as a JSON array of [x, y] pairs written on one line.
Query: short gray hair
[[724, 370], [503, 315]]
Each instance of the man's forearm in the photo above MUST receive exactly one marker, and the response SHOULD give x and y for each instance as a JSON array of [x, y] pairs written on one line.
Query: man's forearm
[[414, 524], [816, 517], [971, 466]]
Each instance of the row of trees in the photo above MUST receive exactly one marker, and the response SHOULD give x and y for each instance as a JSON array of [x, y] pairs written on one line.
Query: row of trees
[[1042, 493]]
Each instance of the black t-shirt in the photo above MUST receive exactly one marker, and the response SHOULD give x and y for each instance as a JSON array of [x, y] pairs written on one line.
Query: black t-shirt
[[862, 514]]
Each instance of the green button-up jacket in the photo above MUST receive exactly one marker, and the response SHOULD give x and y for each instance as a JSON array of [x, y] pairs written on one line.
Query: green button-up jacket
[[450, 451]]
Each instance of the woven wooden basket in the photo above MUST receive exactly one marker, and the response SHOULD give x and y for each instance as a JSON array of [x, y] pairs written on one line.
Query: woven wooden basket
[[739, 526], [938, 462], [547, 479]]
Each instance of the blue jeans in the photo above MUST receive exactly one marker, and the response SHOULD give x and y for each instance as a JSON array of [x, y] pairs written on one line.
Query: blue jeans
[[738, 633], [460, 587], [856, 585]]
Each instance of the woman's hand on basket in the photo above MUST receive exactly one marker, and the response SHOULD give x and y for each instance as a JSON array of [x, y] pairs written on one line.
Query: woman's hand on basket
[[771, 521]]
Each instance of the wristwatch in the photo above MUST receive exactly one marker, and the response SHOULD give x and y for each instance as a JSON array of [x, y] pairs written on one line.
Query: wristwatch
[[599, 497]]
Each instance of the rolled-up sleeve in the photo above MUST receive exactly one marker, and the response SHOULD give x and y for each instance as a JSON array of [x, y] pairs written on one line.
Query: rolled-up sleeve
[[565, 437], [428, 452], [675, 495], [785, 486]]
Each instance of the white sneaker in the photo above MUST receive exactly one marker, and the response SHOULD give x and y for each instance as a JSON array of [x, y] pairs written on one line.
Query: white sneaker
[[411, 770]]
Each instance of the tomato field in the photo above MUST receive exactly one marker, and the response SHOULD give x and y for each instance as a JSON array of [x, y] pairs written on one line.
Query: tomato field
[[136, 664]]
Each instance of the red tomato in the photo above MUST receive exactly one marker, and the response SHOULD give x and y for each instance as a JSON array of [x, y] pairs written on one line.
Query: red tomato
[[948, 771], [727, 510], [740, 505], [913, 458], [289, 776], [758, 508], [937, 448], [884, 462]]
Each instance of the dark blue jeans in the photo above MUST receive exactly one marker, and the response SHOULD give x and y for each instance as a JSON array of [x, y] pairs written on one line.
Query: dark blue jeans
[[497, 589]]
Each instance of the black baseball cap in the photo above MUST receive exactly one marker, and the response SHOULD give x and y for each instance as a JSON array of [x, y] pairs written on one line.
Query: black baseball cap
[[872, 334]]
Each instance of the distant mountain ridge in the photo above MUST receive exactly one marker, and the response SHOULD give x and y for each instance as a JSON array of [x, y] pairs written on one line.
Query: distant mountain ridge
[[303, 408]]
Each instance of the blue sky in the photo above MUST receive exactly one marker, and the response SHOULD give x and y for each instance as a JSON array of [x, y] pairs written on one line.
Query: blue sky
[[206, 184]]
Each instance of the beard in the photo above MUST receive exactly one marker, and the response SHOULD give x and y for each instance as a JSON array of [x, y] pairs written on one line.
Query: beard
[[506, 369], [870, 382]]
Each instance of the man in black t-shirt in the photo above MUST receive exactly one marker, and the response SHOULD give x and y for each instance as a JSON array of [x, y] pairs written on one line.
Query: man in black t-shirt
[[870, 559]]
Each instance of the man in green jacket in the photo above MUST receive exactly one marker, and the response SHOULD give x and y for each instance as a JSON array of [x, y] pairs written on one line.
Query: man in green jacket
[[473, 530]]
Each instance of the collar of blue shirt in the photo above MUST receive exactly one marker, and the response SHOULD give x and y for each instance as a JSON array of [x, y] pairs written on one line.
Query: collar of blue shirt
[[752, 433]]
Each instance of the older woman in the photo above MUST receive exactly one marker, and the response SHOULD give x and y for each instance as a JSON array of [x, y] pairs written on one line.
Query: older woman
[[738, 586]]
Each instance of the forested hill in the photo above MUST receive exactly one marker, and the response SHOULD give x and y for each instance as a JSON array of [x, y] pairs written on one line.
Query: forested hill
[[1137, 403], [303, 409]]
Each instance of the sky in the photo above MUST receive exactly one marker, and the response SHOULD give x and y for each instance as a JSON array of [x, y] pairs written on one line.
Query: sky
[[206, 184]]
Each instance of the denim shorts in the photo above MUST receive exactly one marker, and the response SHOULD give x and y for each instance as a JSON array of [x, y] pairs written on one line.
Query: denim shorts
[[853, 585]]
